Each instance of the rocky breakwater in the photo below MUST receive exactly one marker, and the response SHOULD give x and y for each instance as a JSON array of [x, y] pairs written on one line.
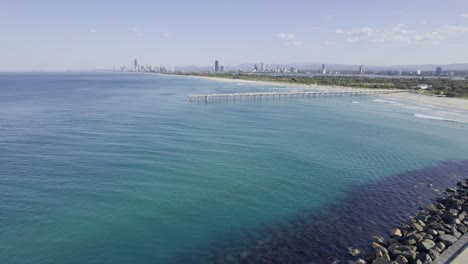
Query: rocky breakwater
[[427, 234]]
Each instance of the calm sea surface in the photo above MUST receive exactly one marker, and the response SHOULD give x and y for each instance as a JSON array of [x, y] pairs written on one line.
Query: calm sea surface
[[121, 168]]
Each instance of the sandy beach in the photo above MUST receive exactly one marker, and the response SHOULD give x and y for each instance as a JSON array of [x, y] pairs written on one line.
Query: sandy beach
[[444, 102], [283, 84]]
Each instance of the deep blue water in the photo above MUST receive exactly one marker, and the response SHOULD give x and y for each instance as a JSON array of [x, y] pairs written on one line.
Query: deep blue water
[[121, 168]]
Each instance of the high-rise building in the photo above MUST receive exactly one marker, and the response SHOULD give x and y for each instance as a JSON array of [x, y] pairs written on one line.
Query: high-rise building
[[255, 68], [438, 71], [324, 71], [418, 72], [262, 67], [216, 67], [221, 68], [135, 65], [361, 69]]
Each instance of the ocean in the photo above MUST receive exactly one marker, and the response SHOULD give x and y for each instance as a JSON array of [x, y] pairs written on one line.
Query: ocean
[[122, 168]]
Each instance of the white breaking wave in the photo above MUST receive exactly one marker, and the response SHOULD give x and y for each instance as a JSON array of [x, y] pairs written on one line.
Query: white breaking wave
[[382, 101], [417, 107], [385, 101], [432, 117], [355, 102], [458, 120]]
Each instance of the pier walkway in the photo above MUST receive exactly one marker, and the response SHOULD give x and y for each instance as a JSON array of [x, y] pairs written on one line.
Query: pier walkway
[[287, 94]]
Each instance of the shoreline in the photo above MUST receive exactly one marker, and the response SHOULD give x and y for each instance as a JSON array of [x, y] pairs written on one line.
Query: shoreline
[[457, 104], [283, 84]]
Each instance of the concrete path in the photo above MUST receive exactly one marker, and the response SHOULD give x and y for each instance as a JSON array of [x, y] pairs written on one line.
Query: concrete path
[[456, 253], [462, 258]]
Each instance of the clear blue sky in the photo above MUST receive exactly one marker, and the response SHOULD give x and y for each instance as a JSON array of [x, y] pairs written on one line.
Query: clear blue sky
[[61, 34]]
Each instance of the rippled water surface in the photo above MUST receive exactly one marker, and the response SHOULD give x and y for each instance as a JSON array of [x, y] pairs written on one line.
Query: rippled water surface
[[121, 168]]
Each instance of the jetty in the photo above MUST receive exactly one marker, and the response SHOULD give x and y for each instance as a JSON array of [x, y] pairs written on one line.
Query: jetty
[[287, 94]]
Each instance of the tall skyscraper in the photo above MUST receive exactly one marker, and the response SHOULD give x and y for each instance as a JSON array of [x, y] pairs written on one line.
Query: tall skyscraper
[[221, 68], [324, 71], [255, 68], [438, 71], [262, 67], [216, 66], [135, 65], [361, 69], [418, 72]]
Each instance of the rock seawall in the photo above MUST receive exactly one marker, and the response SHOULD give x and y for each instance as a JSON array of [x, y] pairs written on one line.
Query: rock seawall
[[427, 234]]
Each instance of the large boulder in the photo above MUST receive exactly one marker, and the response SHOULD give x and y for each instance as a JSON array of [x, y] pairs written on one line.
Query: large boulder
[[401, 260], [441, 246], [422, 218], [449, 215], [417, 227], [353, 251], [379, 239], [411, 241], [409, 255], [433, 253], [396, 232], [418, 237], [392, 247], [425, 258], [462, 229], [432, 232], [425, 245], [447, 239], [431, 208], [381, 261]]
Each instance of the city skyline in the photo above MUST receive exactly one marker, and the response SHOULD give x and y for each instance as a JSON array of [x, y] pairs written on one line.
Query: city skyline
[[53, 35], [308, 69]]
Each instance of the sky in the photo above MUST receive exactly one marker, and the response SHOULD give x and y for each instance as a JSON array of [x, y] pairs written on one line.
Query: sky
[[70, 34]]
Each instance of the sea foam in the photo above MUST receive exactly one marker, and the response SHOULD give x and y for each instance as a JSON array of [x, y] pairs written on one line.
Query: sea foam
[[385, 101]]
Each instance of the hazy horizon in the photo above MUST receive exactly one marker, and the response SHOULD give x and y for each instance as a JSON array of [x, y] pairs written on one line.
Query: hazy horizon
[[86, 35]]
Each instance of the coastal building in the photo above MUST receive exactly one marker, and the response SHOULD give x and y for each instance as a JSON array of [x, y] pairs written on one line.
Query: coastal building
[[216, 66], [361, 69], [136, 67], [262, 67], [438, 71], [221, 68], [324, 71], [255, 68], [418, 72]]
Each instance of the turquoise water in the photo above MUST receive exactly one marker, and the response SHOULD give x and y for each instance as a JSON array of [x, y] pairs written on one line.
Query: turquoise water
[[121, 168]]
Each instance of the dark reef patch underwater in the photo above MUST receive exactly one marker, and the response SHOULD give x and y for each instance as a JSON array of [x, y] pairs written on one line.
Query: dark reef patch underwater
[[326, 236]]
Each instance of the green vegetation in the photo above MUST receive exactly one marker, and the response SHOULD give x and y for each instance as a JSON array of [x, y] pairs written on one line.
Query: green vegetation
[[441, 86]]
